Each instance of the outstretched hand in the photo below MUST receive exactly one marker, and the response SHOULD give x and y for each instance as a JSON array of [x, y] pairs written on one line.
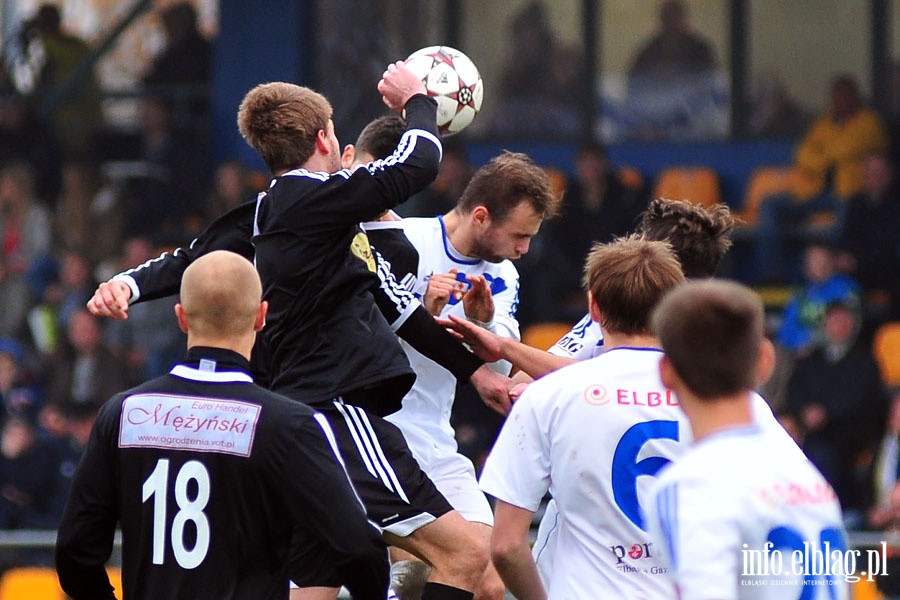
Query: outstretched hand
[[398, 84], [486, 345], [110, 300], [478, 302]]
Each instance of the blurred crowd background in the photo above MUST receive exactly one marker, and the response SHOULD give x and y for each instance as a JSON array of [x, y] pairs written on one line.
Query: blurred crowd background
[[117, 142]]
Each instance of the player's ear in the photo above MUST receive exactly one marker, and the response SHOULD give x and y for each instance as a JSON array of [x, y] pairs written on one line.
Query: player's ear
[[667, 373], [481, 215], [348, 157], [765, 364], [322, 145], [261, 316], [593, 308], [182, 319]]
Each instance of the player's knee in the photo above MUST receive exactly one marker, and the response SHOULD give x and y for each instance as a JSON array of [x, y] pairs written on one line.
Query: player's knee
[[472, 559]]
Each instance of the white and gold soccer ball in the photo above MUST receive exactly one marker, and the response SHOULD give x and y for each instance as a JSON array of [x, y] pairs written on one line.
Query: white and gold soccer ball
[[452, 79]]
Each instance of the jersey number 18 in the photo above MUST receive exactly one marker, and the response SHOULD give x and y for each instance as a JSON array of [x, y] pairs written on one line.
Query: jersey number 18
[[156, 487]]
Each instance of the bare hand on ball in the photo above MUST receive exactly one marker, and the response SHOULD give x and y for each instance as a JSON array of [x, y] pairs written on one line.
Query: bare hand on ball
[[398, 84]]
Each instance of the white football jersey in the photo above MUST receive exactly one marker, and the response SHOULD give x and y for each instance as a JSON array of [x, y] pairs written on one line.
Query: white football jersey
[[425, 415], [593, 434], [715, 509], [584, 340]]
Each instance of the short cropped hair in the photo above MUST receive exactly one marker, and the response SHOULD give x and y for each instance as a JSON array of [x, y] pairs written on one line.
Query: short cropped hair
[[627, 278], [381, 137], [700, 236], [505, 182], [711, 332], [281, 122], [220, 293]]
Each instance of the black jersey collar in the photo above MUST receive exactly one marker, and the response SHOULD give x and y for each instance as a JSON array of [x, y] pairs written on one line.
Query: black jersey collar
[[213, 364]]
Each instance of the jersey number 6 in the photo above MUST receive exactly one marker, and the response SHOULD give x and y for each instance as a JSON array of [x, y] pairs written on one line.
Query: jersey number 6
[[626, 468]]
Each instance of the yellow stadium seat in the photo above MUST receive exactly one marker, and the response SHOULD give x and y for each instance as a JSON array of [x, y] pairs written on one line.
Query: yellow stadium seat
[[764, 182], [544, 335], [33, 583], [630, 177], [699, 185], [865, 590], [886, 347]]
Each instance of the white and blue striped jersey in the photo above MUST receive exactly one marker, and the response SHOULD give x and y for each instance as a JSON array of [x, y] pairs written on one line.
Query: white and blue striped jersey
[[716, 509]]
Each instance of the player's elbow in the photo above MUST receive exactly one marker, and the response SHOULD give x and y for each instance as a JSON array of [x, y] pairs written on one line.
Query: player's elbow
[[505, 549]]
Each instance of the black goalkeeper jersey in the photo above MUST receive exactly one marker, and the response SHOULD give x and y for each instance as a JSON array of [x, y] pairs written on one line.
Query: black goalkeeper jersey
[[207, 474]]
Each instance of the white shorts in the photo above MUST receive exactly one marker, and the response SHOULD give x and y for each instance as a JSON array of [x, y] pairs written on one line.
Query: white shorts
[[454, 477], [452, 473]]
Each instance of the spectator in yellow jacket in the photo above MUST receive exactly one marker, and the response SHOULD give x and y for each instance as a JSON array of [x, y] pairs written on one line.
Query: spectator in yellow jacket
[[829, 162]]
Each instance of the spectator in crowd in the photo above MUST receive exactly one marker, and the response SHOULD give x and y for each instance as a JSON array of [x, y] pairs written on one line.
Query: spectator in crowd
[[86, 218], [775, 114], [549, 105], [800, 327], [805, 310], [186, 59], [869, 239], [18, 395], [231, 186], [672, 80], [76, 421], [43, 329], [837, 392], [829, 160], [83, 368], [24, 221], [48, 68], [23, 138], [172, 181], [30, 488], [597, 207], [28, 477], [76, 286], [884, 509], [15, 298], [149, 340]]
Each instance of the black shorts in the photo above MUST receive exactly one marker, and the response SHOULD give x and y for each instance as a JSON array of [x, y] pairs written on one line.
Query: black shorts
[[396, 493]]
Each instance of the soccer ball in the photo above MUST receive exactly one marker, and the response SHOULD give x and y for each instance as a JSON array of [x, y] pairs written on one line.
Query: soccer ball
[[452, 79]]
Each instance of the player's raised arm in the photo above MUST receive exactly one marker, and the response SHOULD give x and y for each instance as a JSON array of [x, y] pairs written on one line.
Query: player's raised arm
[[161, 276]]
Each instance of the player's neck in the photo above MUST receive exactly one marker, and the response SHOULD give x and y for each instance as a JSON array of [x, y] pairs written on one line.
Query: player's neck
[[242, 346], [456, 232], [710, 417], [612, 340]]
